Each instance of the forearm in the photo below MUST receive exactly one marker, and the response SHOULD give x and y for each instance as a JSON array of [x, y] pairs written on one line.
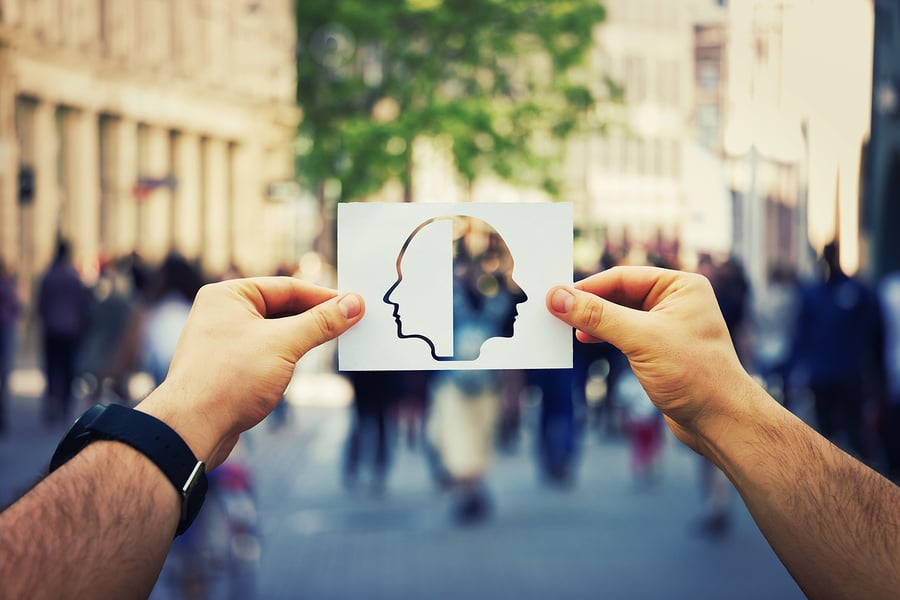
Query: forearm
[[99, 527], [834, 523]]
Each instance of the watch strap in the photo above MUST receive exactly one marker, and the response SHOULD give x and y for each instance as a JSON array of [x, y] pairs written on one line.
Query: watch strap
[[153, 438]]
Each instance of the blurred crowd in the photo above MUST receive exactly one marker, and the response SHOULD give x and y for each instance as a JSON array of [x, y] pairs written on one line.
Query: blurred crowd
[[828, 348]]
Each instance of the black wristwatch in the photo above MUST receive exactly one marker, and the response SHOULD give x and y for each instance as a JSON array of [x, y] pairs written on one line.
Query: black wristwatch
[[149, 436]]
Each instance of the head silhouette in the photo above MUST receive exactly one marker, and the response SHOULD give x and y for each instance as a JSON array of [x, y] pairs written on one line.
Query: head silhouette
[[473, 277]]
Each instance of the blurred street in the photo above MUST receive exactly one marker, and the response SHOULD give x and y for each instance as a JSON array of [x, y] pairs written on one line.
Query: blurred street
[[606, 537]]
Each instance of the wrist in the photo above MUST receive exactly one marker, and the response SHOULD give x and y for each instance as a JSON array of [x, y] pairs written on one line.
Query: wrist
[[195, 427], [730, 436], [149, 436]]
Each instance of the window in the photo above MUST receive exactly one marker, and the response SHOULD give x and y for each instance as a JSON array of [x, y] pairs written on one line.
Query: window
[[708, 124], [667, 81], [635, 79], [675, 149], [708, 73]]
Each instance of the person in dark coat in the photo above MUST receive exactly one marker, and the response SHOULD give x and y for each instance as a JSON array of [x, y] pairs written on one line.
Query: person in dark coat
[[836, 335], [374, 393], [63, 307], [557, 427]]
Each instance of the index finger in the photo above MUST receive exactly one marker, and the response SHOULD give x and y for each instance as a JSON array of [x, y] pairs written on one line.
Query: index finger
[[281, 296], [635, 287]]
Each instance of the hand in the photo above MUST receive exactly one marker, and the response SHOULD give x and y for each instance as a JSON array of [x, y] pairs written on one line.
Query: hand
[[669, 326], [237, 354]]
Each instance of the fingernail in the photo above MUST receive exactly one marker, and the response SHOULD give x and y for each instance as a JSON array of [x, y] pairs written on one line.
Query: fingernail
[[561, 301], [349, 306]]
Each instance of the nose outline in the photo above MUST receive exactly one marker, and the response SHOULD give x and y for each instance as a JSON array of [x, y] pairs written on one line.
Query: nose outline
[[387, 300], [387, 295], [518, 294], [396, 313]]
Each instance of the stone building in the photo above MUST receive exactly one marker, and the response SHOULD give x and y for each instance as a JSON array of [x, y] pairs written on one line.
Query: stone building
[[797, 124], [147, 125], [628, 179]]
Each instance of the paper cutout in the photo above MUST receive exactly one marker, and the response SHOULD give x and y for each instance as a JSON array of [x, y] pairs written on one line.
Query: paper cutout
[[484, 293], [454, 286]]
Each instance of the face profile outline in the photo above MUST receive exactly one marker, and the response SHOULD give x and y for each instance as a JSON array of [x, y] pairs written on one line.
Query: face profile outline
[[485, 296]]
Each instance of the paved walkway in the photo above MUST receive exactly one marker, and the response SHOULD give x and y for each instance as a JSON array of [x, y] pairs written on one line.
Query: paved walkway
[[26, 448], [605, 538]]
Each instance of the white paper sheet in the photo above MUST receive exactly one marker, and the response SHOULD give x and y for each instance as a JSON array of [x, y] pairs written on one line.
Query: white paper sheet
[[400, 258]]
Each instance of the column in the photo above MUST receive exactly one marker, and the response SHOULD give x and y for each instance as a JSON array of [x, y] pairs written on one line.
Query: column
[[155, 208], [123, 161], [247, 209], [47, 209], [117, 176], [82, 181], [187, 218], [216, 252]]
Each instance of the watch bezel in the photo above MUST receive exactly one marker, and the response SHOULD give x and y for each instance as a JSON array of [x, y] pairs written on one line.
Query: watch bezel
[[76, 438]]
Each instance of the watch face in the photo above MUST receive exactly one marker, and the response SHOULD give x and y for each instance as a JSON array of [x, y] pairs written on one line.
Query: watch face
[[76, 438], [82, 423]]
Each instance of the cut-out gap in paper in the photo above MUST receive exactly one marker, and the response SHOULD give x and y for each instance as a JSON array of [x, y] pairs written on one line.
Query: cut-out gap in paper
[[484, 294]]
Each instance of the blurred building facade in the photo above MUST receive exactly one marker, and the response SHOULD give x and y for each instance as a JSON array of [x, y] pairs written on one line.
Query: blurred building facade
[[797, 120], [629, 174], [765, 145], [742, 131], [148, 126], [651, 177]]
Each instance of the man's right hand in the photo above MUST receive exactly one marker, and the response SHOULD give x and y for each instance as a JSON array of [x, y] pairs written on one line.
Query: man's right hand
[[669, 325]]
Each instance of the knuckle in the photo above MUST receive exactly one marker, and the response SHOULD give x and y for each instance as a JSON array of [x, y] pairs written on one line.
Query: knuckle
[[698, 280], [325, 323], [208, 290], [591, 316]]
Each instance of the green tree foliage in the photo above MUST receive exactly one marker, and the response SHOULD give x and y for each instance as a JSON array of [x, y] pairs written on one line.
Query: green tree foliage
[[495, 82]]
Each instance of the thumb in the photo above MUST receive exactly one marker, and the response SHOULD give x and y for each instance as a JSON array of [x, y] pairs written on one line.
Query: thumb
[[595, 318], [324, 322]]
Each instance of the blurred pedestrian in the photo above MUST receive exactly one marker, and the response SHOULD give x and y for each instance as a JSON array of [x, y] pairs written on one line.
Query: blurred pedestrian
[[464, 407], [732, 290], [368, 443], [410, 408], [106, 350], [63, 306], [889, 296], [774, 322], [606, 361], [10, 310], [837, 327], [643, 424], [509, 422], [170, 294], [557, 429], [139, 272]]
